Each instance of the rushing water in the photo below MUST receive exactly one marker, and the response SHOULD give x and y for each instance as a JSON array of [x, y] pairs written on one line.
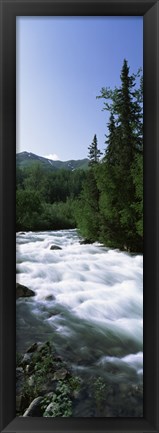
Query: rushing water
[[89, 302]]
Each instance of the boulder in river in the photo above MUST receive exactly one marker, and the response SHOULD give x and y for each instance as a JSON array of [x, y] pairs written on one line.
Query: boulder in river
[[23, 291], [35, 408], [85, 242], [55, 247], [50, 298]]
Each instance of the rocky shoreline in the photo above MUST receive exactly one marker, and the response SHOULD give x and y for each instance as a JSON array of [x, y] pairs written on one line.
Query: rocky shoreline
[[46, 386]]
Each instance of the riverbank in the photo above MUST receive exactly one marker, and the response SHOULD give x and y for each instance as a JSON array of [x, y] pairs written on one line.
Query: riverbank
[[46, 386]]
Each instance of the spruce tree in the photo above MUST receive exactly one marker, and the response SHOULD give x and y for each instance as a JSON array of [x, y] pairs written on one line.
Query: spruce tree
[[94, 153], [88, 209], [87, 212], [124, 140]]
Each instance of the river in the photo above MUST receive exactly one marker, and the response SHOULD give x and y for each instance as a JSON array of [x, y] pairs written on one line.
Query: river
[[88, 302]]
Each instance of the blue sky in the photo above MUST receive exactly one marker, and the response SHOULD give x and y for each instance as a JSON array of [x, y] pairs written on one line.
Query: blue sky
[[62, 64]]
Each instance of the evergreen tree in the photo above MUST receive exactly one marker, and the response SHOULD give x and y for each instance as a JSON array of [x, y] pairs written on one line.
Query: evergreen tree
[[94, 152], [87, 212], [124, 140]]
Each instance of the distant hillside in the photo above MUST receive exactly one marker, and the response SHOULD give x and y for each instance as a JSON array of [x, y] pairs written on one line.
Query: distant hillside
[[27, 159]]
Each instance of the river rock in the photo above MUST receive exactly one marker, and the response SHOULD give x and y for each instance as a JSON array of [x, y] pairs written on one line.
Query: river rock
[[29, 369], [31, 380], [85, 242], [60, 374], [26, 359], [44, 348], [55, 247], [49, 410], [41, 348], [35, 407], [50, 298], [32, 348], [23, 291]]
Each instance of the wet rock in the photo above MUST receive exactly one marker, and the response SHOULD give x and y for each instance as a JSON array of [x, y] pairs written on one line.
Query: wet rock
[[29, 368], [85, 242], [31, 380], [50, 298], [23, 291], [26, 359], [36, 352], [44, 348], [49, 409], [32, 348], [55, 247], [60, 374], [35, 407]]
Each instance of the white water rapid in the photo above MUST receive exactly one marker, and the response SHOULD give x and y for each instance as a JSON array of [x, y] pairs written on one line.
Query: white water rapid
[[89, 301]]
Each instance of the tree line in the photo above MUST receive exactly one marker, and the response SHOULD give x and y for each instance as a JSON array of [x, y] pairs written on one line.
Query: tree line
[[111, 202], [46, 200], [106, 201]]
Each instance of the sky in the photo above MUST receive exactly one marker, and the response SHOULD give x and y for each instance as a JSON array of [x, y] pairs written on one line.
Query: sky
[[61, 65]]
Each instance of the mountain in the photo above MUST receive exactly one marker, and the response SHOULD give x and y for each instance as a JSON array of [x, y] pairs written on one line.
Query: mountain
[[27, 159]]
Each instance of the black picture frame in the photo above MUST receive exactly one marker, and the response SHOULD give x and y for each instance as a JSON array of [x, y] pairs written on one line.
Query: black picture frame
[[149, 9]]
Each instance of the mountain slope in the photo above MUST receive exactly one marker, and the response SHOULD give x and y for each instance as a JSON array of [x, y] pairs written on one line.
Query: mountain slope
[[27, 159]]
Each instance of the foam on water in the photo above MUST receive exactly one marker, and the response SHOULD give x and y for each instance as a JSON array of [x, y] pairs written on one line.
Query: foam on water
[[97, 296]]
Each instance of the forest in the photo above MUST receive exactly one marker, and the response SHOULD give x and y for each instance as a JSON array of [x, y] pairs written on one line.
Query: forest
[[105, 202]]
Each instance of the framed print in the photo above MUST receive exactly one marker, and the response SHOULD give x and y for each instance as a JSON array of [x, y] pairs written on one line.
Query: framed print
[[79, 175]]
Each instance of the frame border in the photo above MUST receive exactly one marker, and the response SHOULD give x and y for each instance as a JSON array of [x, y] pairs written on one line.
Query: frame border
[[149, 9]]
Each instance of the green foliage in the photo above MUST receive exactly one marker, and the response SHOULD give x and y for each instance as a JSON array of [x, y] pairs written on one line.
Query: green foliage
[[58, 404], [87, 211], [47, 200], [119, 181], [94, 152], [111, 204], [42, 366], [58, 216], [74, 383], [137, 173], [100, 391], [28, 209]]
